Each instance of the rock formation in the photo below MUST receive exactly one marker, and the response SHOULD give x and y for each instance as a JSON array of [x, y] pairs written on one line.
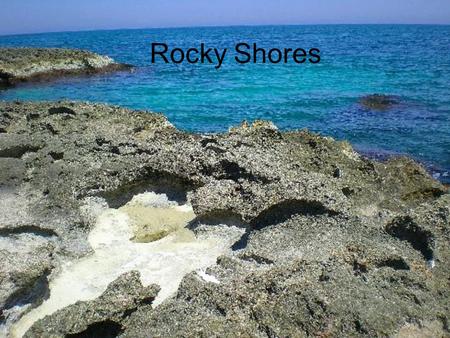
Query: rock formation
[[379, 101], [334, 245], [19, 65]]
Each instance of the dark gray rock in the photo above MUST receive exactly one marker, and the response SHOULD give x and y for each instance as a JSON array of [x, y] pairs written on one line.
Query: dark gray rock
[[379, 101]]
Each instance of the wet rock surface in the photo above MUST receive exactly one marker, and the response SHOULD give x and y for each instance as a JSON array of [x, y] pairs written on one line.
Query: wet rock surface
[[334, 244], [18, 65]]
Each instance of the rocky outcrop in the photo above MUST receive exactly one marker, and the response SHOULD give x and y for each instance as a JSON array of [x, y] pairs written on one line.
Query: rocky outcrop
[[335, 244], [40, 64], [379, 102], [314, 276], [101, 317]]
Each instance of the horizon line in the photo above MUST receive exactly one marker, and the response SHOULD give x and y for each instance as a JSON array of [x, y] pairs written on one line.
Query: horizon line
[[224, 26]]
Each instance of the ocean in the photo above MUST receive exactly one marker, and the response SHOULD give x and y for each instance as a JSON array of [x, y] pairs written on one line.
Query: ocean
[[409, 62]]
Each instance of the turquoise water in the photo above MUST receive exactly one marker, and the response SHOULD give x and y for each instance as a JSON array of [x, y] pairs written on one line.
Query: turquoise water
[[410, 62]]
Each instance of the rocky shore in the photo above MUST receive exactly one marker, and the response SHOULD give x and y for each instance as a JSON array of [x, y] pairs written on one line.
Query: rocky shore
[[19, 65], [331, 243]]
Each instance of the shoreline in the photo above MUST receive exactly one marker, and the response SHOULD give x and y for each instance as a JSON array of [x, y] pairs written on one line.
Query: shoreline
[[305, 203], [34, 65], [49, 76], [372, 102], [265, 232], [438, 173]]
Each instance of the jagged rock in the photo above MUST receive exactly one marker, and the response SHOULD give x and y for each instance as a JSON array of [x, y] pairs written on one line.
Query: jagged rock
[[26, 263], [38, 64], [17, 145], [322, 253], [101, 317], [313, 276]]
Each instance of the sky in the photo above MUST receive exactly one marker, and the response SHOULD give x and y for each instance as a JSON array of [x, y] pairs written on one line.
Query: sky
[[36, 16]]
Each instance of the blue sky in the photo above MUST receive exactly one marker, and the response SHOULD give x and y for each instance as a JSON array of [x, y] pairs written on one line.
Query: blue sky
[[30, 16]]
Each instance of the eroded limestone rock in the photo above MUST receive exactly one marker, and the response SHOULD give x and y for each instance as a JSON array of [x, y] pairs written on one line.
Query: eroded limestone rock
[[101, 317], [334, 243], [39, 64]]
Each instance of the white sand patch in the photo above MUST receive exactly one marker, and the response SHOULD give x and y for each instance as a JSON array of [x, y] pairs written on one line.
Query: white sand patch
[[164, 262]]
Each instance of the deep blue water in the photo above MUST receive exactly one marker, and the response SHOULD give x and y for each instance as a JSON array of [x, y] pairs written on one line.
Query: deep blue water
[[410, 62]]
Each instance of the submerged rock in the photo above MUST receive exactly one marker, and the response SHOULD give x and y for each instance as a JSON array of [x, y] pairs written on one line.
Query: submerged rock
[[334, 244], [379, 101], [39, 64]]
